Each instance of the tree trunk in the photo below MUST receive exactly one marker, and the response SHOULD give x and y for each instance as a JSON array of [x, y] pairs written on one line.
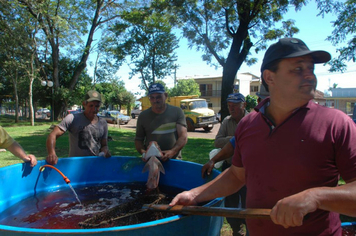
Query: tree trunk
[[30, 94], [14, 81], [83, 61], [32, 118], [230, 70], [240, 47]]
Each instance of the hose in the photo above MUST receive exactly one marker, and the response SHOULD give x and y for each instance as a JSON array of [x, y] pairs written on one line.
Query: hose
[[64, 177]]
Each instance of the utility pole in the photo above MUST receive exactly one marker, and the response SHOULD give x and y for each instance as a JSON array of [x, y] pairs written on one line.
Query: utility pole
[[175, 75]]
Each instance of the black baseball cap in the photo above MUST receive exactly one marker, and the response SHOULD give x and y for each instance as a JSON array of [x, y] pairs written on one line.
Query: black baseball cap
[[290, 48]]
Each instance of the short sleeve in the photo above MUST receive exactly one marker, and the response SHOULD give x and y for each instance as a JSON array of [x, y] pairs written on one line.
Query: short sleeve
[[5, 139]]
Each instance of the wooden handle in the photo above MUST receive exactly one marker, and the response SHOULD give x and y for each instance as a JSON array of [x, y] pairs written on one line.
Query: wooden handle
[[210, 211]]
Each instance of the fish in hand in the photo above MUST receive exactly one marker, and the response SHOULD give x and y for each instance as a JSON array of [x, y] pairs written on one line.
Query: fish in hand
[[153, 165]]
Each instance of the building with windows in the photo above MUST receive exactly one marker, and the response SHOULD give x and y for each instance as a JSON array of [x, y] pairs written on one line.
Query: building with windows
[[249, 84], [343, 99], [210, 87]]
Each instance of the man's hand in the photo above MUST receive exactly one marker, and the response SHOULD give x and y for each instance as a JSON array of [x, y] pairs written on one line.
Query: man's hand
[[33, 160], [105, 150], [185, 198], [107, 154], [168, 155], [143, 151], [207, 168], [52, 159], [290, 211]]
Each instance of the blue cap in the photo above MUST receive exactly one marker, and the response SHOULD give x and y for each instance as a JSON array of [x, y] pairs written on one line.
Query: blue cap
[[156, 88], [235, 98]]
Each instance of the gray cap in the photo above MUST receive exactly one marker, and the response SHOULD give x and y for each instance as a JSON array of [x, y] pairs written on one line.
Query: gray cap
[[92, 95]]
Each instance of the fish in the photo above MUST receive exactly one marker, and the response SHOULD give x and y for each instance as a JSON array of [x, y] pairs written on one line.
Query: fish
[[153, 165]]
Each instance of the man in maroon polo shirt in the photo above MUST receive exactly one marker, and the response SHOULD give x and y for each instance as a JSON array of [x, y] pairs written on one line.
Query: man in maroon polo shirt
[[290, 152]]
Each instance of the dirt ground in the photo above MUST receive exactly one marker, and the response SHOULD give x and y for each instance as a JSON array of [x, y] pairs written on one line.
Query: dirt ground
[[198, 133]]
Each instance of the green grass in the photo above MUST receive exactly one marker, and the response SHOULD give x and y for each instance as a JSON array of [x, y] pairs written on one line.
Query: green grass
[[33, 140]]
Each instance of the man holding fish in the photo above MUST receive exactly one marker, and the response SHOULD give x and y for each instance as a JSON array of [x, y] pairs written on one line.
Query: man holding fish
[[290, 152], [162, 123], [162, 127]]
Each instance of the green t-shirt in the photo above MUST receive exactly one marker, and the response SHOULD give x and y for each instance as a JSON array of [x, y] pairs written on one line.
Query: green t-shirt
[[161, 128], [5, 139]]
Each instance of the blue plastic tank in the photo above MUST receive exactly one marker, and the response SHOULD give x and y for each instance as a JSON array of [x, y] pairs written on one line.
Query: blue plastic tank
[[21, 181]]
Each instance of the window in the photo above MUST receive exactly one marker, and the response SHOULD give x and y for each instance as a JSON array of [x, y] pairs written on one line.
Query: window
[[206, 89], [350, 107], [254, 89]]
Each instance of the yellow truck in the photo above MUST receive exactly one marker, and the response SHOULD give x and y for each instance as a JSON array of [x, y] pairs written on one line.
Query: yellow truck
[[196, 111]]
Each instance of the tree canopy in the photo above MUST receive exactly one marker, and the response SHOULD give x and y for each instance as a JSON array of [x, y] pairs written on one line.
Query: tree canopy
[[344, 31], [226, 31], [146, 37], [58, 30], [185, 87], [51, 40]]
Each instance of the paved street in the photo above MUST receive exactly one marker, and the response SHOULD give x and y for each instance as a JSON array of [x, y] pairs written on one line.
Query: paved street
[[199, 133]]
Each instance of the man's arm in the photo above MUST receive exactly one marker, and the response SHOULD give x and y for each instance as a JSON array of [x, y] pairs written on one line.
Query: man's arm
[[181, 141], [226, 152], [140, 146], [289, 211], [105, 148], [16, 149], [140, 135], [51, 145], [225, 184]]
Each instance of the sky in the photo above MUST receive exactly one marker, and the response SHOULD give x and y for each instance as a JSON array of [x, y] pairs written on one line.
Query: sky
[[313, 30]]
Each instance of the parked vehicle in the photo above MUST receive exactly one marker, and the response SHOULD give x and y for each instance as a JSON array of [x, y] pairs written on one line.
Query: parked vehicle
[[195, 109], [43, 110], [218, 116], [115, 117], [72, 112], [109, 119], [135, 112], [120, 117]]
